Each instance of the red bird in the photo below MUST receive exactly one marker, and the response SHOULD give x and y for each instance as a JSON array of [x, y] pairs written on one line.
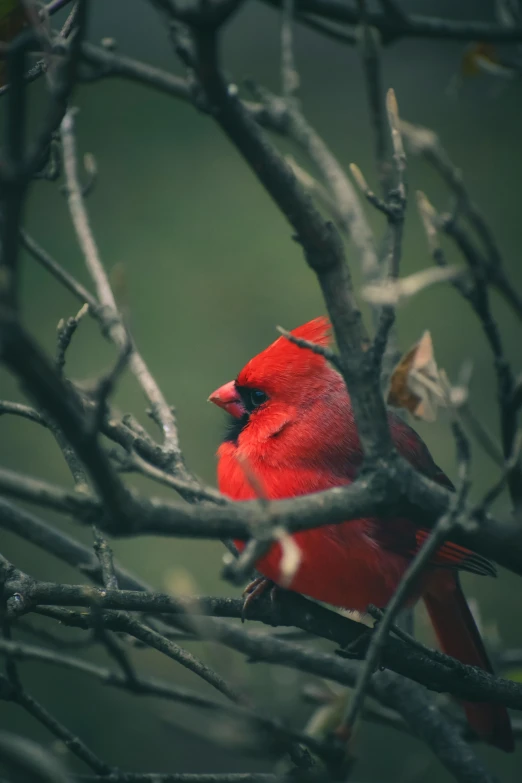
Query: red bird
[[293, 426]]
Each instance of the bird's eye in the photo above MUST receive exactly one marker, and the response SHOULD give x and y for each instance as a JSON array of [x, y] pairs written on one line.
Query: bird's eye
[[257, 397], [251, 398]]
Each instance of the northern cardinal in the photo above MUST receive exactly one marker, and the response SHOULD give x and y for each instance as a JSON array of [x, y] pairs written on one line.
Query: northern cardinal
[[293, 426]]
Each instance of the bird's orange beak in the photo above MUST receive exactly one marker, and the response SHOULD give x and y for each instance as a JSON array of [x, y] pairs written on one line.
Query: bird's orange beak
[[226, 397]]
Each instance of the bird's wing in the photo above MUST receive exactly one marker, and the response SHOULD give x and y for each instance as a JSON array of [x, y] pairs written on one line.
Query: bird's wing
[[411, 538], [451, 555]]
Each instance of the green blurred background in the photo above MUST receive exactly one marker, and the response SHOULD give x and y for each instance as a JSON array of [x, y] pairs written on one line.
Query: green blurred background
[[205, 267]]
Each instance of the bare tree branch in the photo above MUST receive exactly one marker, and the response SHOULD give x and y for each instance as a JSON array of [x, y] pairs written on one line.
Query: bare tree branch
[[15, 693], [437, 671], [118, 332], [394, 27], [120, 611], [20, 755], [477, 295]]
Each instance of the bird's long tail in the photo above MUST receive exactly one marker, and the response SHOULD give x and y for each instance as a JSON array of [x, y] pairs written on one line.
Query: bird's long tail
[[459, 637]]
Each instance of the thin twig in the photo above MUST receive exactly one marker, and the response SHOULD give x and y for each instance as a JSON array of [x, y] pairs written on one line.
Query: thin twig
[[66, 330], [477, 295], [19, 696], [384, 350], [425, 142], [21, 756], [23, 411], [61, 274], [158, 457], [150, 686], [320, 350], [105, 295], [394, 27], [370, 56], [134, 462]]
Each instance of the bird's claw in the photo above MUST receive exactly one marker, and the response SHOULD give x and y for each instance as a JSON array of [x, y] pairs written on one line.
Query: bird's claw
[[256, 588]]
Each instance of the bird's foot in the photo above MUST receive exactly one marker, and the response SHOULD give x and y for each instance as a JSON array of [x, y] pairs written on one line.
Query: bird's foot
[[256, 588]]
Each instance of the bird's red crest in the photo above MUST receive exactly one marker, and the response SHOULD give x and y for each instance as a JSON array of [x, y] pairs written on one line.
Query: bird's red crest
[[317, 331], [283, 359]]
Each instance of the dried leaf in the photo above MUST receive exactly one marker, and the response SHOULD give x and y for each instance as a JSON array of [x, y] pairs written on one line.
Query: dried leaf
[[417, 384]]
